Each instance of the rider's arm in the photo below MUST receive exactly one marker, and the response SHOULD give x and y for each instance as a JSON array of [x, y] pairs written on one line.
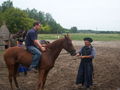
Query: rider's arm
[[36, 42]]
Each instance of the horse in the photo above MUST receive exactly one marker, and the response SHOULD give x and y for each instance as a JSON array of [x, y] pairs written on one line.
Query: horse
[[16, 55]]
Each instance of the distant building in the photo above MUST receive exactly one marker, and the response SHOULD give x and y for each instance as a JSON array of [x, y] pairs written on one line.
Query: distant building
[[4, 37]]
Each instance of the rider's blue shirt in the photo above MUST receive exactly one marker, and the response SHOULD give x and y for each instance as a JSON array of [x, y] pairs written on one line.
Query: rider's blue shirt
[[30, 37]]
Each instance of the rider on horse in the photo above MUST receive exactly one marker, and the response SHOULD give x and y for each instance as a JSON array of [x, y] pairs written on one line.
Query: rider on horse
[[33, 45]]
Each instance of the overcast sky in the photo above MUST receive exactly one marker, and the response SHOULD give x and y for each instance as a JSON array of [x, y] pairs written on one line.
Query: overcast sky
[[85, 14]]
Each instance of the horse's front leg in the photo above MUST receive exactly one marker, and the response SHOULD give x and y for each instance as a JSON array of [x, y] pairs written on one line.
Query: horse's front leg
[[42, 79]]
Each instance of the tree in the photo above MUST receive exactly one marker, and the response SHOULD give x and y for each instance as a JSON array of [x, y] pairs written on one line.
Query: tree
[[1, 18], [6, 5], [48, 18], [46, 29], [34, 14], [0, 8], [17, 19], [73, 30]]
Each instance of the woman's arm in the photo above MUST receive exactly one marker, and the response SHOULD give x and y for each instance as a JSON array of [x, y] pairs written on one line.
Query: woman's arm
[[93, 54], [86, 57]]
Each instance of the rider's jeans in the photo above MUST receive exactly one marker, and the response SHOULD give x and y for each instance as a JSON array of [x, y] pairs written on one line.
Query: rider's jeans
[[36, 56]]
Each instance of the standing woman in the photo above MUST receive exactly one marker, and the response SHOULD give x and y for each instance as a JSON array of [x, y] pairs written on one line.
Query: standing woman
[[85, 73]]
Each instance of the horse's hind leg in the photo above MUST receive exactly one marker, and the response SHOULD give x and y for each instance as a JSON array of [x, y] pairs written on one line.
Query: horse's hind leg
[[15, 75], [11, 72], [10, 80]]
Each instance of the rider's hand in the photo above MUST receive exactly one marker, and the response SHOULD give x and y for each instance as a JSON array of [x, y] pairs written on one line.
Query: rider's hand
[[43, 49]]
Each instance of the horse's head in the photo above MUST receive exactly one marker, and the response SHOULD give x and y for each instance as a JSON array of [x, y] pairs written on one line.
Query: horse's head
[[68, 46]]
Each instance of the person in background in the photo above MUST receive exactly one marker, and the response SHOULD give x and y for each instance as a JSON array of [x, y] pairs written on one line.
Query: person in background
[[20, 43], [21, 68], [6, 44], [85, 73]]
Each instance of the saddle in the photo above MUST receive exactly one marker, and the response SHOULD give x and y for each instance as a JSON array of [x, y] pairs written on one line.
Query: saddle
[[44, 43]]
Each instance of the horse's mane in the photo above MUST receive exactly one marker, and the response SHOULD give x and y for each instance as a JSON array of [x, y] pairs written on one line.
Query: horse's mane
[[54, 43]]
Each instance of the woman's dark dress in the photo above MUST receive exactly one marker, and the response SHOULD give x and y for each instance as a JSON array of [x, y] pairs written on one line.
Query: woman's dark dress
[[85, 71]]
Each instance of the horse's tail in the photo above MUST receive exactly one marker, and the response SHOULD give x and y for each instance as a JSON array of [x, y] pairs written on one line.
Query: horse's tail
[[5, 57]]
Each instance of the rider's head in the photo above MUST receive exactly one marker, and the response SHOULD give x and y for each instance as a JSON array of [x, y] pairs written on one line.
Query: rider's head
[[37, 25]]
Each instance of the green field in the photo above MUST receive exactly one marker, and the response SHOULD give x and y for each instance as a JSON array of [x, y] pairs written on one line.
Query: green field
[[1, 51], [80, 36]]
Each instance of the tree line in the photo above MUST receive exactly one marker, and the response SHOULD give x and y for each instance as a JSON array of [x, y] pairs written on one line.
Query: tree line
[[98, 32], [17, 19]]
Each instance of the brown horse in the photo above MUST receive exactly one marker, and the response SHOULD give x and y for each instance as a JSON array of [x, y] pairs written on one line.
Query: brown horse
[[16, 55]]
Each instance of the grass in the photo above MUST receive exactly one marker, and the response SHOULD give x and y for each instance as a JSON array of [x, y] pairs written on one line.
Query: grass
[[80, 36], [1, 51]]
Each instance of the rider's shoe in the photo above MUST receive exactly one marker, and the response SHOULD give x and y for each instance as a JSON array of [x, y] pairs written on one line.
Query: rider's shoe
[[33, 70]]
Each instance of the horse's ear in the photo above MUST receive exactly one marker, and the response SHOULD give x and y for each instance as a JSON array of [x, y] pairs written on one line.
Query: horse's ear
[[65, 36], [68, 34]]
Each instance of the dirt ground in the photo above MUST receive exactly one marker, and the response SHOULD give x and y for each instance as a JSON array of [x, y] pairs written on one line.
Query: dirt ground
[[63, 75]]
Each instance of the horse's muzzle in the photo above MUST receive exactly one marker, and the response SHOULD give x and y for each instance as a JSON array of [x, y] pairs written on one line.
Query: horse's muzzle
[[72, 52]]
